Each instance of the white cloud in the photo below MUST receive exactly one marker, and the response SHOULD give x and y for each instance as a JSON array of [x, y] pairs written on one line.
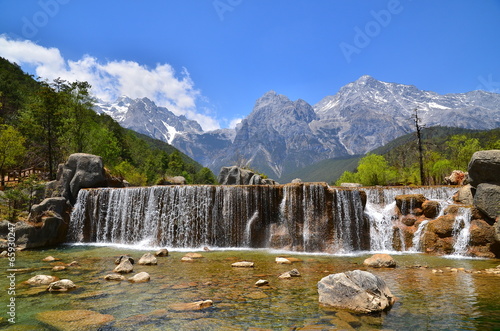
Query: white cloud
[[234, 122], [113, 79]]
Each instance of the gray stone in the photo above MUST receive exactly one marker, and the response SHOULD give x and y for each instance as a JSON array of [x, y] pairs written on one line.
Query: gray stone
[[357, 290], [41, 280], [62, 285], [290, 274], [464, 195], [238, 176], [50, 231], [121, 258], [262, 282], [57, 205], [484, 167], [124, 267], [141, 277], [148, 259], [81, 171], [487, 199], [162, 252], [114, 277]]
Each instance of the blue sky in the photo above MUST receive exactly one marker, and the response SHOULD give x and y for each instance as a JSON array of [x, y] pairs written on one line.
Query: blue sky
[[211, 59]]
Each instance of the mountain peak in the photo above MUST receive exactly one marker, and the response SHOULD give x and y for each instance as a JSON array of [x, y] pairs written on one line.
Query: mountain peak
[[366, 80]]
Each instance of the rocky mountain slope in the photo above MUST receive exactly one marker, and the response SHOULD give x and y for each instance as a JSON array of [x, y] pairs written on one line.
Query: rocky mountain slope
[[280, 135]]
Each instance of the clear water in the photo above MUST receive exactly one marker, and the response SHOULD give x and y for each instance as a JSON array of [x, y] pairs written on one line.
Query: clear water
[[426, 300]]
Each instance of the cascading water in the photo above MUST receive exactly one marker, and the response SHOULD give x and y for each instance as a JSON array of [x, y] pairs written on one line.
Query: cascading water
[[461, 231], [417, 237], [311, 217]]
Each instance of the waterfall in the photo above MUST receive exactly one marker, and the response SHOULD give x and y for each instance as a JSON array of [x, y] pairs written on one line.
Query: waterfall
[[381, 226], [418, 236], [350, 229], [461, 231], [311, 217]]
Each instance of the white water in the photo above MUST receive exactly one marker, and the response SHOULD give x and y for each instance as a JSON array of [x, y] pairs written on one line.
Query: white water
[[461, 231], [309, 218]]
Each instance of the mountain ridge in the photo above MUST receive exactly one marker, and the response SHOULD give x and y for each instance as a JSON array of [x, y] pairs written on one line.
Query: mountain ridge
[[281, 136]]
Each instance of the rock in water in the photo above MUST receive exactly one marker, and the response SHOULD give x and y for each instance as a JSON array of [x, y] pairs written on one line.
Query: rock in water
[[141, 277], [380, 261], [114, 277], [41, 280], [243, 264], [124, 267], [193, 255], [282, 260], [198, 305], [121, 258], [162, 252], [72, 320], [148, 259], [62, 285], [290, 274], [356, 290]]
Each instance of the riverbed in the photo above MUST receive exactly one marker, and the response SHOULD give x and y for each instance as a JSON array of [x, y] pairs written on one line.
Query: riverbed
[[434, 293]]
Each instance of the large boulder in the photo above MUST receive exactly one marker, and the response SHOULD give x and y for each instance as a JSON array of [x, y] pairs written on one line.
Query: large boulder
[[49, 231], [238, 176], [487, 199], [57, 205], [484, 167], [80, 171], [431, 208], [464, 195], [357, 290]]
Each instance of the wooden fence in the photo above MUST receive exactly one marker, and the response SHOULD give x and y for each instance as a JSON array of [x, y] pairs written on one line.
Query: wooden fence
[[15, 176]]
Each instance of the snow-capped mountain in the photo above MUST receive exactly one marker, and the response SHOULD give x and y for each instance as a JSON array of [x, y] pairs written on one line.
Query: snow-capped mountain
[[144, 116], [280, 135], [369, 113]]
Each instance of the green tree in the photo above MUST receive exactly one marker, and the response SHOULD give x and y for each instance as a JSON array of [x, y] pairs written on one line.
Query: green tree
[[77, 108], [461, 149], [11, 148], [347, 177], [205, 176], [41, 124], [374, 170], [440, 169], [175, 164], [130, 173]]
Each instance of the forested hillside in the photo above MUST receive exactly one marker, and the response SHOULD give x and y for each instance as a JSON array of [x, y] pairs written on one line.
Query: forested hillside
[[42, 123], [444, 150]]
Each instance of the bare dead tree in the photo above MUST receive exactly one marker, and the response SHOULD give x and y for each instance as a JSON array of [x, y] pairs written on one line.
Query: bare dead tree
[[420, 149]]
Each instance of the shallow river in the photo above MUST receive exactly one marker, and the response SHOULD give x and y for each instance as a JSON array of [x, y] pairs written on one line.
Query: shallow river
[[426, 300]]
